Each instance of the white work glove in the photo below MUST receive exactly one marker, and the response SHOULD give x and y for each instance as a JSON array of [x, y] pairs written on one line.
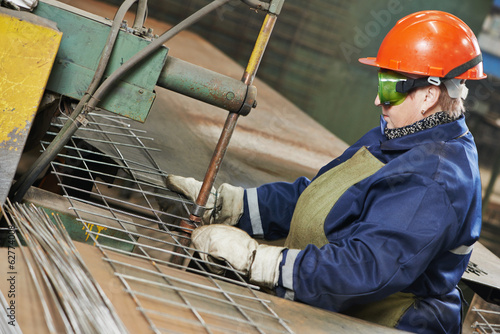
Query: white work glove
[[224, 206], [18, 4], [228, 243]]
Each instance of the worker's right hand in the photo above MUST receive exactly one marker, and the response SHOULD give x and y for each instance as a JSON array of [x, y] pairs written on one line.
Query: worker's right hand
[[224, 205], [218, 243]]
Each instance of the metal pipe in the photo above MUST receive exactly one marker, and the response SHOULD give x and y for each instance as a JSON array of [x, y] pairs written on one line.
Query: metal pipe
[[108, 47], [204, 85], [141, 14], [260, 46]]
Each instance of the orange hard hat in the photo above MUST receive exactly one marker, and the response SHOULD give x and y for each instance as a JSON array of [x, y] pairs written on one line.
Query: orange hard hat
[[430, 43]]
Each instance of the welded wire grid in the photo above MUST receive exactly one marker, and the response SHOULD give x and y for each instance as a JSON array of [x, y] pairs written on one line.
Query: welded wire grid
[[117, 191], [489, 323]]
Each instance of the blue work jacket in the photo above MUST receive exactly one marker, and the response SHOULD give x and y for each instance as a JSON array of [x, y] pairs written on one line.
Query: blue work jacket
[[409, 227]]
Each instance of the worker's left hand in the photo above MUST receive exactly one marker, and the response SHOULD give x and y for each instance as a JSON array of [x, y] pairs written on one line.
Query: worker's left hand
[[227, 243], [224, 205]]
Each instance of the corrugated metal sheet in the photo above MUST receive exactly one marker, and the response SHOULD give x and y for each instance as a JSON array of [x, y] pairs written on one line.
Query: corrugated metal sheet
[[301, 48]]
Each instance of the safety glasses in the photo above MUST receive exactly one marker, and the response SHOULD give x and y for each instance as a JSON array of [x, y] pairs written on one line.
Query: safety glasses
[[387, 93]]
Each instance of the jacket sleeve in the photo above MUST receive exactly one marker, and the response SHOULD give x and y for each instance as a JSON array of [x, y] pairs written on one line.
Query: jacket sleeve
[[268, 209], [378, 244]]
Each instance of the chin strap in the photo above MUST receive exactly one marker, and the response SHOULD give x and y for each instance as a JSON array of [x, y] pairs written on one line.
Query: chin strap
[[456, 87], [464, 67], [405, 86]]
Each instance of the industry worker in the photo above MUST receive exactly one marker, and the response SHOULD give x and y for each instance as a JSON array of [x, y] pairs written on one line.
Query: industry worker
[[385, 231]]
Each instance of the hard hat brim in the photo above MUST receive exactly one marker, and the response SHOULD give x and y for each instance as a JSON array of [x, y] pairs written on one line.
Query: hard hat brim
[[372, 61]]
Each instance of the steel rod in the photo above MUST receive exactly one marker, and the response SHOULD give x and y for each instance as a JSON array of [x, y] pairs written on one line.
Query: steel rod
[[225, 137]]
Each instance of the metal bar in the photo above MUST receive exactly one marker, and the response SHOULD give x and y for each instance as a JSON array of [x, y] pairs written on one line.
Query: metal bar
[[232, 118], [486, 323], [204, 287], [154, 172], [111, 210], [256, 4], [121, 220], [486, 311], [102, 141], [5, 327], [141, 13], [227, 131], [48, 317], [87, 129], [115, 185]]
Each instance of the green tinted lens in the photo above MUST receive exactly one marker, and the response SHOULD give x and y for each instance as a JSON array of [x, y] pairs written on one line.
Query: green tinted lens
[[387, 93]]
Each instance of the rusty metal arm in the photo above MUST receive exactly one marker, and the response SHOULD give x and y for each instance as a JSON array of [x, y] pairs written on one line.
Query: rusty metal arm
[[232, 118], [247, 79], [224, 139]]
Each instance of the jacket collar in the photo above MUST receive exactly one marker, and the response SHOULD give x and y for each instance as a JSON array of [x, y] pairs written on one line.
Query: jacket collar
[[440, 133]]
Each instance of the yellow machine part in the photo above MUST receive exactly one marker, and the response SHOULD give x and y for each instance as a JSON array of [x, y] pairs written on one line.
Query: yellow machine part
[[27, 53], [28, 48]]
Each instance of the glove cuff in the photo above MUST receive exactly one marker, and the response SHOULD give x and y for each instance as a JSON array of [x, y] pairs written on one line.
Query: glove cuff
[[265, 267]]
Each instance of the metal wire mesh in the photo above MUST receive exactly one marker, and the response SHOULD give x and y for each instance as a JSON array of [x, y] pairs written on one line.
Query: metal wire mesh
[[117, 192]]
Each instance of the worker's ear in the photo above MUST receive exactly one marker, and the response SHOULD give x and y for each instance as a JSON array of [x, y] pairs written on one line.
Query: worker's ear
[[431, 97]]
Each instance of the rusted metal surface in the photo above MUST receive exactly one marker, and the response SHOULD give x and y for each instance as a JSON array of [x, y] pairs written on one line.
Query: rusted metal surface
[[232, 118]]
